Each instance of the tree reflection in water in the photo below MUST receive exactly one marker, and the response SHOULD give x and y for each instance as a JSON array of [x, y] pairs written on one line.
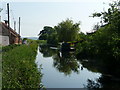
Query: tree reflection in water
[[47, 51], [65, 62], [104, 82], [108, 67]]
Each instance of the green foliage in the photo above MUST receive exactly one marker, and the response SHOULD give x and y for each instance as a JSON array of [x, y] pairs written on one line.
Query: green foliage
[[52, 39], [49, 34], [19, 68], [43, 35], [41, 41], [110, 16], [9, 47], [106, 40], [67, 31]]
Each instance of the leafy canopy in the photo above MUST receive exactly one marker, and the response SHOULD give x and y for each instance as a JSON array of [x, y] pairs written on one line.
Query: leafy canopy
[[67, 30]]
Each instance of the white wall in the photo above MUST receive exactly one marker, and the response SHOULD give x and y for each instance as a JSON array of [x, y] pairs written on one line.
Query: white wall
[[4, 40]]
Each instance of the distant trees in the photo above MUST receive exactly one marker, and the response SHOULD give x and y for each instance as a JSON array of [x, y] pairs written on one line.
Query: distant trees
[[64, 32], [48, 33], [43, 35], [67, 31]]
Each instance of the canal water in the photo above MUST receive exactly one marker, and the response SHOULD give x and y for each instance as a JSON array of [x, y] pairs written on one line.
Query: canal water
[[63, 70]]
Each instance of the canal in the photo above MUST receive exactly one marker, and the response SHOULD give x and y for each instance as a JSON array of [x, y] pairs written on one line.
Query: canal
[[63, 70]]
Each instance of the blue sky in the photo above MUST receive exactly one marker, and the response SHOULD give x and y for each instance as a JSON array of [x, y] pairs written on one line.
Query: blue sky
[[36, 15]]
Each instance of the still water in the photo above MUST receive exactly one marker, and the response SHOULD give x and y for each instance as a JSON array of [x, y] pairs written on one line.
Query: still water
[[63, 70]]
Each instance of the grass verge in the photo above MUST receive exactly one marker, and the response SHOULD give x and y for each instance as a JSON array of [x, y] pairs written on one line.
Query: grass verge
[[19, 69]]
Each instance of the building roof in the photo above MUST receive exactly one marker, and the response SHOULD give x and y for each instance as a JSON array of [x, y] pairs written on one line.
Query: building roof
[[5, 30]]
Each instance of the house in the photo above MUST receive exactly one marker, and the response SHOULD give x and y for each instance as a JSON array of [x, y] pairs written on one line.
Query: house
[[8, 35]]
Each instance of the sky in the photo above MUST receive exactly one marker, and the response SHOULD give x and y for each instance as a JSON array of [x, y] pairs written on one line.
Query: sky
[[37, 14]]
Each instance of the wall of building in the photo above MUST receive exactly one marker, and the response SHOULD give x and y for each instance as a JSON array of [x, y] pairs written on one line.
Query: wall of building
[[8, 36], [4, 40]]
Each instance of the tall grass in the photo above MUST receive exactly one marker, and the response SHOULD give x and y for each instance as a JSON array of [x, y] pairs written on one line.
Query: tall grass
[[9, 47], [19, 68]]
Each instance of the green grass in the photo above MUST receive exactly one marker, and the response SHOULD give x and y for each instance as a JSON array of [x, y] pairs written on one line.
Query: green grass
[[9, 47], [43, 42], [19, 68]]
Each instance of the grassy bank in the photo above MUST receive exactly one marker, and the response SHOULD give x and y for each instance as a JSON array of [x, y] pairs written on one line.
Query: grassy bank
[[19, 68]]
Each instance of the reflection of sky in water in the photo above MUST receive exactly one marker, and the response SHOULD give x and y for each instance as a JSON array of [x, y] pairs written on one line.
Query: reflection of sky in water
[[52, 78]]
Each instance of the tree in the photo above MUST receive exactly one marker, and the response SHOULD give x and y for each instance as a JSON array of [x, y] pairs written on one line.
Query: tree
[[106, 40], [110, 33], [112, 16], [43, 35], [96, 27], [67, 31], [49, 34]]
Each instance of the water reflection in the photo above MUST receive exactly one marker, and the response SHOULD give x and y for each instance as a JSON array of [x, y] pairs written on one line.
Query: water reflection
[[104, 82], [65, 62], [108, 66], [47, 51]]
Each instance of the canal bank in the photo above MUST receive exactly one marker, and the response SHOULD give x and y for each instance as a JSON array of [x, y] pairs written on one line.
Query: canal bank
[[18, 66]]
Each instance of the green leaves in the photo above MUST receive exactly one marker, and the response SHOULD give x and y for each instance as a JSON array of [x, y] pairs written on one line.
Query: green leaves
[[106, 40], [19, 68], [109, 16], [96, 14], [67, 31]]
